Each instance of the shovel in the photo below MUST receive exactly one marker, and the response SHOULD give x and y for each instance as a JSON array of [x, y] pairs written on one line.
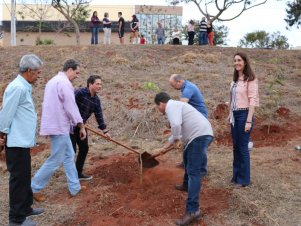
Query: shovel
[[150, 161], [146, 159]]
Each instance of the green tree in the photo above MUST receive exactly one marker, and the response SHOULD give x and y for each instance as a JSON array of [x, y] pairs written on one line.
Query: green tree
[[221, 10], [257, 39], [262, 39], [279, 41], [39, 11], [293, 11], [75, 12], [220, 34]]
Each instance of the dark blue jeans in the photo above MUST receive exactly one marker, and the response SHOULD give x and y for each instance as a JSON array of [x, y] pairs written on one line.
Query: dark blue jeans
[[195, 162], [94, 38], [203, 38], [241, 154]]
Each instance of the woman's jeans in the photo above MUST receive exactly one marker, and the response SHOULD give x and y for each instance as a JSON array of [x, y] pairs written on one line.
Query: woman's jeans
[[94, 38], [191, 37], [107, 36], [241, 154], [195, 162], [61, 153]]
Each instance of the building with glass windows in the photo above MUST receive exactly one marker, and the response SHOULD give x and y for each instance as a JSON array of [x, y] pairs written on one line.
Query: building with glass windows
[[148, 16]]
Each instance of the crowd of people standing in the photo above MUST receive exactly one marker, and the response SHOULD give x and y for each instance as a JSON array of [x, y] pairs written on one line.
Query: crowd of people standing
[[205, 34]]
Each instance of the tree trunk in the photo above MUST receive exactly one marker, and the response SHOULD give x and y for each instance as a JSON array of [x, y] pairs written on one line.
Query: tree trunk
[[77, 31]]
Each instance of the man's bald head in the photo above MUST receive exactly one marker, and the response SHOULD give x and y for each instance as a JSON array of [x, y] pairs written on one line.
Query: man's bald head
[[176, 81]]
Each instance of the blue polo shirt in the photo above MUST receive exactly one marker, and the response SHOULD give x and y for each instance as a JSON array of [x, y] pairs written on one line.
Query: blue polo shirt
[[193, 94]]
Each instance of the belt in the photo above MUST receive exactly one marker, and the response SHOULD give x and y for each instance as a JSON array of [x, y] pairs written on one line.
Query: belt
[[241, 109]]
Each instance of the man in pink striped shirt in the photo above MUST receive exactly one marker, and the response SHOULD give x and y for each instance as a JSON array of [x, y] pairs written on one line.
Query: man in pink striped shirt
[[59, 114]]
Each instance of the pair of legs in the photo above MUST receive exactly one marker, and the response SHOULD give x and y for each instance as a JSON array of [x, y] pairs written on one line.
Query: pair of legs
[[241, 154], [134, 37], [191, 37], [62, 153], [195, 162], [107, 36], [210, 38], [176, 41], [203, 38], [18, 161], [94, 38], [160, 40], [121, 36], [83, 148]]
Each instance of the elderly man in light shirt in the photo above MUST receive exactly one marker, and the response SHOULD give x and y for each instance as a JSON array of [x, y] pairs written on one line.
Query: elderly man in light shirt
[[18, 124], [196, 133], [59, 114]]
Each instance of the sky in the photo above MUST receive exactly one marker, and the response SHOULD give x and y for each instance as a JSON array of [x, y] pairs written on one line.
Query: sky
[[268, 17]]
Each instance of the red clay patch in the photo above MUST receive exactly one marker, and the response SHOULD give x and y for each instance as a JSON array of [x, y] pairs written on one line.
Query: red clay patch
[[116, 195]]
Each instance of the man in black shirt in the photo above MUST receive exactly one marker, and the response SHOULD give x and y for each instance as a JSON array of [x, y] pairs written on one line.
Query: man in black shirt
[[88, 103], [121, 28]]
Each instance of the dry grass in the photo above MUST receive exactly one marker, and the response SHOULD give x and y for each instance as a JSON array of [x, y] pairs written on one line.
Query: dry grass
[[273, 198]]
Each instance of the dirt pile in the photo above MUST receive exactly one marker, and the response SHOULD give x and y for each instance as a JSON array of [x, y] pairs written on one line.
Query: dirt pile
[[117, 196]]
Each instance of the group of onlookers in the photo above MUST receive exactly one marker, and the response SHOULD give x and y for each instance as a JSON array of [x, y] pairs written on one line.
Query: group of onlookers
[[206, 33]]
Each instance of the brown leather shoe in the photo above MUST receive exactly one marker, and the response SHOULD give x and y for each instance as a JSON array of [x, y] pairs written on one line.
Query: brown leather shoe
[[39, 197], [82, 188], [189, 218], [181, 187]]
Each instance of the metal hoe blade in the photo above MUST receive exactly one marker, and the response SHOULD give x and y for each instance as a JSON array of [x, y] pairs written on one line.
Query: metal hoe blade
[[148, 161]]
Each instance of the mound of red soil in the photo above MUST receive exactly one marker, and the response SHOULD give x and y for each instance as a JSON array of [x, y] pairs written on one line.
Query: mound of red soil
[[221, 111], [118, 196], [268, 134], [283, 112]]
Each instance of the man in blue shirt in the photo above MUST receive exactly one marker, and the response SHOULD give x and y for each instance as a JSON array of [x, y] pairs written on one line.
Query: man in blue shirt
[[88, 103], [190, 93], [18, 124]]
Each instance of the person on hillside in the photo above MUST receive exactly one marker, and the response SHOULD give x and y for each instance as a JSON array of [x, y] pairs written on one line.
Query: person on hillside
[[94, 28], [142, 40], [87, 102], [18, 124], [190, 94], [243, 100], [59, 114], [196, 133], [203, 38], [210, 33], [135, 29], [106, 29], [121, 24], [191, 32], [176, 34], [160, 34]]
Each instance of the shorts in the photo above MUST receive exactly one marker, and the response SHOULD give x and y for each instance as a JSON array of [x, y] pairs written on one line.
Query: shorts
[[121, 34]]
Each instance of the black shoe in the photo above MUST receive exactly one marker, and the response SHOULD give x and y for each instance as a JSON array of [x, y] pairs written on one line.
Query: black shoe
[[84, 177], [181, 187], [189, 218], [36, 211]]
